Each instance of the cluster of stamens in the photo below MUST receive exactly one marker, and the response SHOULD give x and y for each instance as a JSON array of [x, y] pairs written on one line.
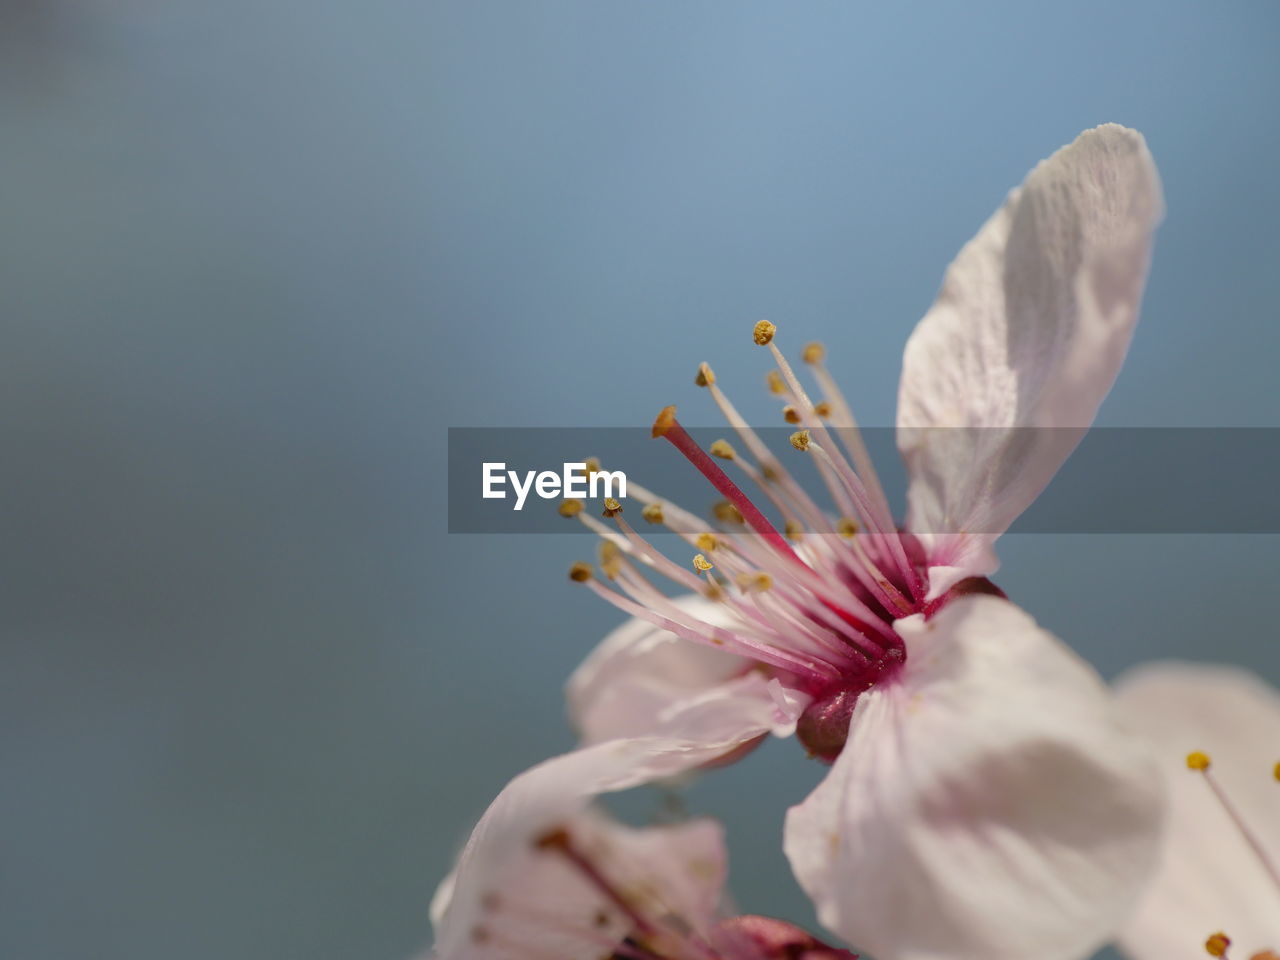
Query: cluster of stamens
[[815, 601], [1219, 944]]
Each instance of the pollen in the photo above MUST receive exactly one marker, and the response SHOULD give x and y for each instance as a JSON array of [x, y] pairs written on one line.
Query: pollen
[[570, 507], [701, 563], [763, 333], [652, 513], [790, 414], [773, 380], [800, 439], [847, 528], [822, 409], [813, 352], [580, 572], [666, 420], [723, 449], [706, 376], [1217, 944], [611, 507], [726, 512], [706, 541], [1197, 761]]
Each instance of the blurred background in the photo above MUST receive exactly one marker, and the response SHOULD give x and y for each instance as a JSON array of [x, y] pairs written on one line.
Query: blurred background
[[255, 258]]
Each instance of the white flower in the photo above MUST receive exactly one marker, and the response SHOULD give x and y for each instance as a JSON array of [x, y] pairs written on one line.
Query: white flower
[[546, 874], [1218, 874], [984, 801]]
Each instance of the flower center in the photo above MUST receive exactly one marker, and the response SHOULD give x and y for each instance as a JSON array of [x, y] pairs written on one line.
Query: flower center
[[815, 602]]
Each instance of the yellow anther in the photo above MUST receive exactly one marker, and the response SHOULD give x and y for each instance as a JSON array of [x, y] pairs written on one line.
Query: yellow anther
[[701, 563], [722, 449], [726, 512], [773, 379], [813, 352], [769, 471], [666, 420], [652, 513], [790, 414], [793, 531], [611, 507], [1197, 761], [706, 376], [822, 409], [580, 572], [706, 541], [756, 581], [847, 527], [1216, 945], [1276, 771], [800, 439], [570, 507], [610, 559], [763, 333], [591, 467]]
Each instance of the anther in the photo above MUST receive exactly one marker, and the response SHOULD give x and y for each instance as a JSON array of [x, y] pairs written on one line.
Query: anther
[[813, 352], [610, 559], [722, 449], [570, 507], [726, 512], [800, 439], [706, 376], [580, 572], [773, 380], [706, 541], [847, 528], [763, 333], [790, 414], [666, 420], [822, 409], [1197, 761], [701, 563], [756, 581], [652, 513], [1276, 771], [611, 508], [1217, 944], [793, 531]]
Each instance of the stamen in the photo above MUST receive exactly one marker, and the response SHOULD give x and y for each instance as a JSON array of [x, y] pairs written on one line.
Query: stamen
[[580, 572], [1200, 763], [570, 507], [763, 333], [652, 513], [701, 564], [612, 508]]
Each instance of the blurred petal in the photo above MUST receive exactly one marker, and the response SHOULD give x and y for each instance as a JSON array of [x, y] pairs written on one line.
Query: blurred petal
[[1209, 880], [1029, 330], [639, 672], [505, 895], [987, 804]]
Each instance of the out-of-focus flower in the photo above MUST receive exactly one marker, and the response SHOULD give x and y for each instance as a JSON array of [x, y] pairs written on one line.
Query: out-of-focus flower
[[983, 799], [546, 874], [1217, 733]]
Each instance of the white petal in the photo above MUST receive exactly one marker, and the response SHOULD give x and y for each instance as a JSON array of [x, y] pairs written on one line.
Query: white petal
[[1029, 331], [640, 671], [507, 900], [986, 805], [1209, 880]]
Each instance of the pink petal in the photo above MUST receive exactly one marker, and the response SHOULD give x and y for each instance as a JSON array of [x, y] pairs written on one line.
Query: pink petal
[[988, 804], [1209, 879], [1029, 330]]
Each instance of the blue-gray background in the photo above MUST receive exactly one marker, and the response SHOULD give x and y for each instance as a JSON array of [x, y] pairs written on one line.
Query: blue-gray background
[[256, 257]]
